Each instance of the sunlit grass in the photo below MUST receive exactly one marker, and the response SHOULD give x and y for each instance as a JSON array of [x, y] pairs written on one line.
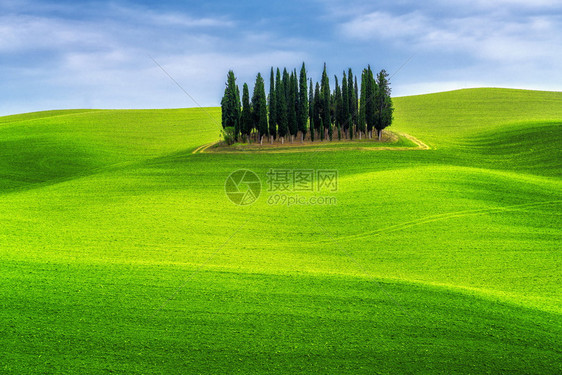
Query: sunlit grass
[[120, 250]]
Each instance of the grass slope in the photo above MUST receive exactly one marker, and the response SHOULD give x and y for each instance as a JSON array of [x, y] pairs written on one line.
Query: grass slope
[[120, 251]]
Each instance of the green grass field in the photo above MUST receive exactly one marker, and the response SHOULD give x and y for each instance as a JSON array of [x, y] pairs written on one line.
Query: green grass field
[[120, 251]]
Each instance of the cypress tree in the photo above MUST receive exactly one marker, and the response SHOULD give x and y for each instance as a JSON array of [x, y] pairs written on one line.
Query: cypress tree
[[292, 106], [238, 125], [247, 122], [286, 84], [230, 104], [318, 112], [383, 103], [295, 83], [311, 110], [281, 106], [302, 112], [356, 103], [326, 95], [362, 104], [272, 107], [345, 105], [259, 105], [370, 93], [352, 97], [338, 105]]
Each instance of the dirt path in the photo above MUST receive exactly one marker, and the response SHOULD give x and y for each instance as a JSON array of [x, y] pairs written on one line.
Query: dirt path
[[420, 144], [309, 148], [202, 148]]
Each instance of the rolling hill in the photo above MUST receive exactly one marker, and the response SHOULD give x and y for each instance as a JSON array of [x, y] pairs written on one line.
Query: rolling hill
[[121, 253]]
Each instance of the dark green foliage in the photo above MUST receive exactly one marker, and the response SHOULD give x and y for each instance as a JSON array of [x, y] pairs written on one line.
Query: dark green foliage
[[338, 105], [370, 95], [326, 99], [230, 104], [292, 105], [259, 106], [311, 110], [352, 104], [228, 134], [362, 102], [317, 112], [286, 84], [281, 105], [237, 127], [247, 122], [302, 112], [345, 104], [272, 106], [295, 105], [355, 103], [383, 103]]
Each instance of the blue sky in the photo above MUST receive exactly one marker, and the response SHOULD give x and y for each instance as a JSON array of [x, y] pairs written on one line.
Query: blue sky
[[72, 54]]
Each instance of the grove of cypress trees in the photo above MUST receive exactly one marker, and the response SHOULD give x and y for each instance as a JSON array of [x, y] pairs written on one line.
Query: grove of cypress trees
[[296, 104]]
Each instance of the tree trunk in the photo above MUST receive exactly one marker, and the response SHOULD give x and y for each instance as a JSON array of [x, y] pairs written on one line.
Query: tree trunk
[[261, 139], [282, 140], [380, 134]]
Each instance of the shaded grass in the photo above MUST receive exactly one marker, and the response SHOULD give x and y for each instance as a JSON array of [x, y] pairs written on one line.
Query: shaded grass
[[115, 318]]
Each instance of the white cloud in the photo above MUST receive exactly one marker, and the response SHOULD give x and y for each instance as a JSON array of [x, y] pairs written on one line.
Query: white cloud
[[509, 4], [105, 63], [25, 33], [485, 37], [387, 26], [167, 19]]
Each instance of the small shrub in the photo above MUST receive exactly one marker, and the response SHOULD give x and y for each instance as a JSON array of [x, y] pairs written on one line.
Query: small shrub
[[228, 135]]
